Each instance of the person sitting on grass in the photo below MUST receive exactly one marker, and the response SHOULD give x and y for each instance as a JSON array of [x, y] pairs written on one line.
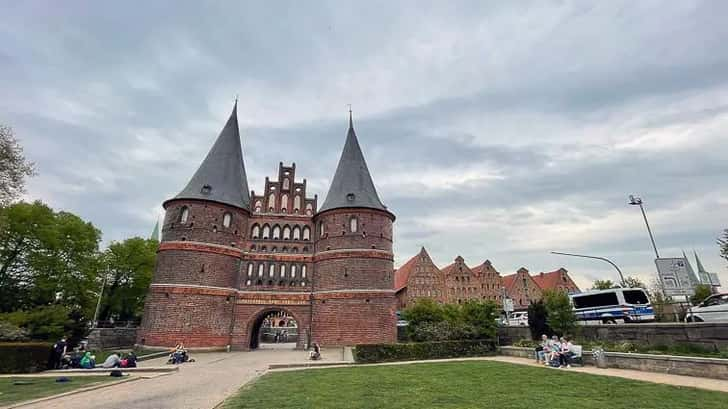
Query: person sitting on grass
[[130, 361], [112, 361], [88, 361], [315, 354], [542, 348], [566, 353]]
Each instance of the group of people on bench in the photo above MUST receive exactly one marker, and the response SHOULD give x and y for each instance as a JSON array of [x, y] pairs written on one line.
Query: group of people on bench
[[555, 352]]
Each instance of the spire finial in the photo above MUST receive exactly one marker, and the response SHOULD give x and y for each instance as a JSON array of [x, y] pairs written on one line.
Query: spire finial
[[351, 121]]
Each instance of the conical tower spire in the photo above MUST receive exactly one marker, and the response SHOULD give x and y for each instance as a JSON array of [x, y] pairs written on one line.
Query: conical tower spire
[[352, 185], [221, 176], [155, 232]]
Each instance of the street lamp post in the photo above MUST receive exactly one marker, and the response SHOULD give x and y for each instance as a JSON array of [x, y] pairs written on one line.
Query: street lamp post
[[637, 201], [621, 276]]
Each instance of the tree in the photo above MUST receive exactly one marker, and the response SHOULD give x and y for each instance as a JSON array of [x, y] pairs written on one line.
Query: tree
[[538, 320], [127, 267], [603, 285], [634, 282], [47, 258], [13, 167], [560, 313], [702, 291], [723, 243]]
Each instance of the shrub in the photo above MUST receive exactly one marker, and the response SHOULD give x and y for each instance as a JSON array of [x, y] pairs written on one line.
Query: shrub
[[42, 323], [560, 313], [24, 357], [12, 333], [429, 321], [525, 343], [372, 353], [538, 320]]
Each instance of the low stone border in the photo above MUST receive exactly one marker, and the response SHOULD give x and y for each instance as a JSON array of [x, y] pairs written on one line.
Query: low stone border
[[157, 369], [73, 392], [715, 368], [312, 364]]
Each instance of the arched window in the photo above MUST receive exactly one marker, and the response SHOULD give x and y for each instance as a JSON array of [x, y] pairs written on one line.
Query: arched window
[[227, 218], [286, 184], [248, 282], [184, 214], [293, 271], [266, 231], [286, 232], [321, 229], [303, 271], [284, 203], [250, 269], [258, 206], [283, 271], [306, 233], [260, 270], [276, 232], [272, 202], [309, 209], [296, 233], [271, 270], [296, 203], [353, 224], [255, 233]]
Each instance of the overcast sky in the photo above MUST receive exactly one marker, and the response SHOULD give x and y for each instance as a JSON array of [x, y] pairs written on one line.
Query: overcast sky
[[493, 130]]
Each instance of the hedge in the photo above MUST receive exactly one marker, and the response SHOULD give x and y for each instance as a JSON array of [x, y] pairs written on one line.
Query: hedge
[[24, 357], [370, 353]]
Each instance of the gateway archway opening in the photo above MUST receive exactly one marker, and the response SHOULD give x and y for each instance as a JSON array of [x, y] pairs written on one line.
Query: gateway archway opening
[[274, 329]]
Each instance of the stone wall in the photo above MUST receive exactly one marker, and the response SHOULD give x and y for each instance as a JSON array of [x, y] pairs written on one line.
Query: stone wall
[[676, 365], [705, 335], [112, 338]]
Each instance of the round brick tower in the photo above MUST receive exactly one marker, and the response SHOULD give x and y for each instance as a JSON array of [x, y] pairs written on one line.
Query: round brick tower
[[353, 291], [193, 290]]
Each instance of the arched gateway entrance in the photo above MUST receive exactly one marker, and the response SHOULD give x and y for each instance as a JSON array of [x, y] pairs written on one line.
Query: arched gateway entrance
[[275, 329]]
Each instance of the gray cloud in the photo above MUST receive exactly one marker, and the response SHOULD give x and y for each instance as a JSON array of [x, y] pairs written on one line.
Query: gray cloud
[[493, 130]]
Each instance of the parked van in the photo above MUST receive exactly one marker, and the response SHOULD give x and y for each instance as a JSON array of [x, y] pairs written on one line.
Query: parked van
[[616, 305], [518, 318]]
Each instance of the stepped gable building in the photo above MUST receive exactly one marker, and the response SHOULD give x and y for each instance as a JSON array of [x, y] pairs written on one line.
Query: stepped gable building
[[556, 280], [229, 258], [418, 278], [522, 288], [464, 284]]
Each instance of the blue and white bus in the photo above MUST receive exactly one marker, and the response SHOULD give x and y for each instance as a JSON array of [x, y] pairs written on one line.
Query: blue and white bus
[[613, 306]]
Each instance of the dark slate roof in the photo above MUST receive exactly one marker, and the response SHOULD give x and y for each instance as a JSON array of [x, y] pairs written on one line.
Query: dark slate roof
[[352, 185], [221, 176]]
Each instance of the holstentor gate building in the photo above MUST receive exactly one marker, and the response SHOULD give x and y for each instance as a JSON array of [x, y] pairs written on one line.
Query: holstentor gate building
[[228, 256]]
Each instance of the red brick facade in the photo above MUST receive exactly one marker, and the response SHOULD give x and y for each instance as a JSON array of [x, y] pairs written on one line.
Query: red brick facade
[[419, 277], [221, 269]]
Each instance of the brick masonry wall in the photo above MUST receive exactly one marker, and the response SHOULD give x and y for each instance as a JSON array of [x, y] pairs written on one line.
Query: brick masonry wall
[[353, 273], [204, 223], [374, 230], [197, 317], [356, 319], [110, 338], [196, 268]]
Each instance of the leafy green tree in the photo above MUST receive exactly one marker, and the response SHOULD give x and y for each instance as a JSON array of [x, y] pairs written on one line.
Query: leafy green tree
[[560, 313], [47, 258], [634, 282], [702, 291], [723, 243], [603, 285], [429, 321], [538, 320], [13, 167], [127, 269], [479, 319]]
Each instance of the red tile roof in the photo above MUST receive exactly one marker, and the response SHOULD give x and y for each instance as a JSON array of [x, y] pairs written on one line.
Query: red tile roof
[[508, 281], [552, 280]]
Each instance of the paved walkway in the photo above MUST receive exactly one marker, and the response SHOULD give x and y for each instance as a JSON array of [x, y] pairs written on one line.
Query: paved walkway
[[198, 385]]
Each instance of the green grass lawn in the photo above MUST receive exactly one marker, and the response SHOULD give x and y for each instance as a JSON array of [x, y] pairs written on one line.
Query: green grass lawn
[[14, 390], [475, 384]]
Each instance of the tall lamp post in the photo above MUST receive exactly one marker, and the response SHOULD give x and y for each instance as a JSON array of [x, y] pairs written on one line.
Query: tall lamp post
[[637, 201]]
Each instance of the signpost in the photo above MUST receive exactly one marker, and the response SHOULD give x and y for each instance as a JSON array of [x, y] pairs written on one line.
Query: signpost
[[676, 276]]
